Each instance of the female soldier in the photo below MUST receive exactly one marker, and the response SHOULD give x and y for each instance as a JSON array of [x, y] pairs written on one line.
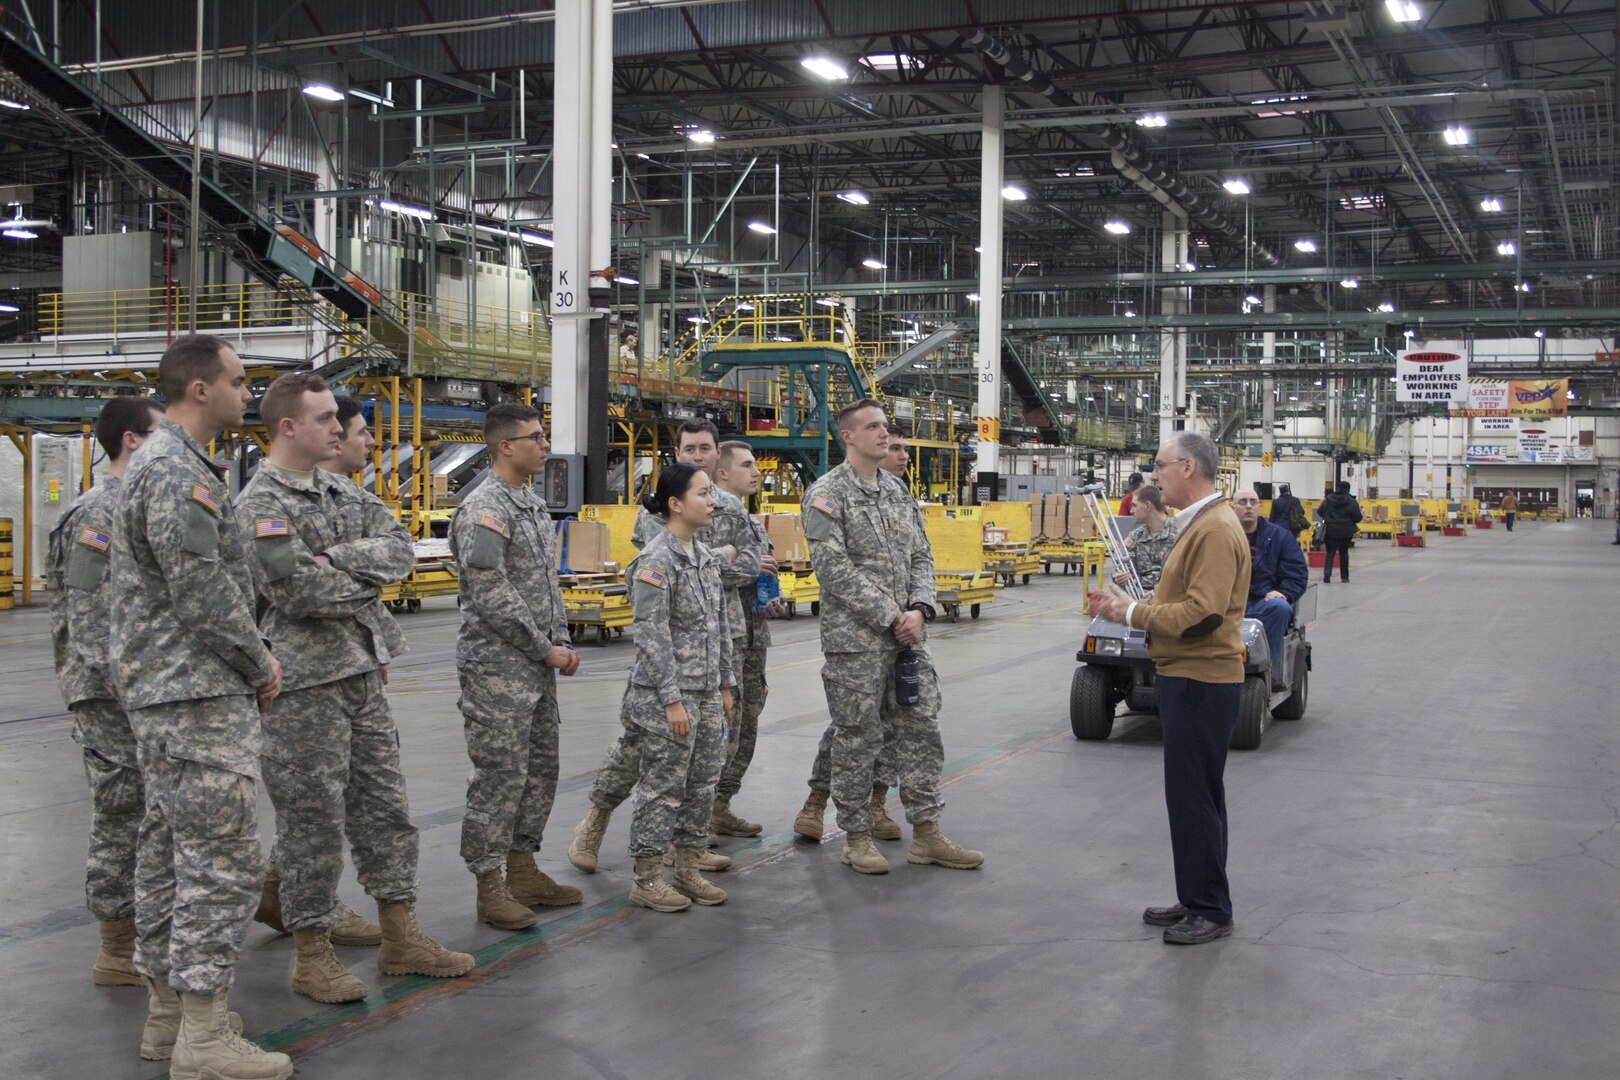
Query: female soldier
[[679, 693]]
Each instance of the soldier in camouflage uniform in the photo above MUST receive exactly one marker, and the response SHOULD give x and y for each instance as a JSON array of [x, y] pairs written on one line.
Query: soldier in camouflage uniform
[[1150, 542], [877, 587], [76, 575], [811, 822], [194, 674], [514, 639], [323, 550], [698, 446], [679, 694]]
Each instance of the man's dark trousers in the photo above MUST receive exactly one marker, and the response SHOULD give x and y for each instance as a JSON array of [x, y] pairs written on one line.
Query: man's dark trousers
[[1198, 718]]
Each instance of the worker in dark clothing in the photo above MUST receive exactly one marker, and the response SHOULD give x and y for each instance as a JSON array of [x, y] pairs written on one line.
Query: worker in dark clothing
[[1340, 514], [1288, 511]]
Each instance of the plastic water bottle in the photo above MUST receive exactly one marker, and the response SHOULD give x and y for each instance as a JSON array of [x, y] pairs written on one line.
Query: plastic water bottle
[[907, 677], [766, 589]]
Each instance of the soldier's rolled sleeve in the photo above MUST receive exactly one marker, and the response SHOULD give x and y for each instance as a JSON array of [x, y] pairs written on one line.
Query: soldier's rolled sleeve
[[734, 529], [837, 573], [655, 646], [206, 598], [489, 592], [383, 557]]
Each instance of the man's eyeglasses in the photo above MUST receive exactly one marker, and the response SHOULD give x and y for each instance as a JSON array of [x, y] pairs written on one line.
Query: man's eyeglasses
[[535, 437], [1157, 464]]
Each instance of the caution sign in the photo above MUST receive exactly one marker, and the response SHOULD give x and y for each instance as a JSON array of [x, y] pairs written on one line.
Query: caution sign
[[1431, 376], [989, 429]]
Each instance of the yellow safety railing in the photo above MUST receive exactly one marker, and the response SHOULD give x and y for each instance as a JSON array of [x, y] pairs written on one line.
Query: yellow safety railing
[[131, 311]]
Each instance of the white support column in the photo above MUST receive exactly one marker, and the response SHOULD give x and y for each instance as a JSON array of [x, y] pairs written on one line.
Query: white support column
[[581, 175], [1268, 389], [1174, 250], [990, 265]]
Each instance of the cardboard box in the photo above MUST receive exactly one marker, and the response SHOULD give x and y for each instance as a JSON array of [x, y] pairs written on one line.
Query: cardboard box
[[1081, 527], [1054, 517], [787, 538], [585, 547], [441, 487]]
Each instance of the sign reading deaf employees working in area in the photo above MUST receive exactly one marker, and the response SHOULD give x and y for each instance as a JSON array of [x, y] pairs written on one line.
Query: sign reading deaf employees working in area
[[1431, 376], [1535, 399]]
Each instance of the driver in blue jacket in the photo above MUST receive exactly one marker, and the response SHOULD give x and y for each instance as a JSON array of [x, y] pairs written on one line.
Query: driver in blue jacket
[[1278, 577]]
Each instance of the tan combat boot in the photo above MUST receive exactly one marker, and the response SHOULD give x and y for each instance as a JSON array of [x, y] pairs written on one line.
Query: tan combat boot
[[208, 1049], [354, 929], [652, 891], [406, 950], [710, 862], [728, 824], [529, 886], [588, 839], [269, 911], [318, 973], [691, 883], [163, 1021], [811, 822], [929, 845], [496, 906], [862, 856], [884, 827], [115, 960]]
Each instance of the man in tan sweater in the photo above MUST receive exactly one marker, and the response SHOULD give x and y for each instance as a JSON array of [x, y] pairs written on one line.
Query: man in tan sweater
[[1193, 619]]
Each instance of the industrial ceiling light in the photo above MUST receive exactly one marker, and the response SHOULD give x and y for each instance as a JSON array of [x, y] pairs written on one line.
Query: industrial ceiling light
[[1507, 247], [1130, 313], [20, 234], [1456, 135], [1305, 245], [1410, 334], [1152, 120], [1237, 186], [1386, 307], [762, 228], [1350, 283], [1118, 228], [8, 103], [1402, 11], [744, 305], [1523, 286], [1014, 193], [973, 297], [889, 61], [625, 279], [1252, 298], [8, 309], [827, 301], [1491, 205], [322, 92], [1540, 332], [874, 264], [854, 198], [404, 210], [696, 320], [825, 67], [702, 138]]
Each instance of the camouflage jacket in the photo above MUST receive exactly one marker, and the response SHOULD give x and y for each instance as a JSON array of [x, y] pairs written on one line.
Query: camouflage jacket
[[756, 627], [870, 555], [181, 585], [76, 575], [683, 638], [505, 548], [1149, 550], [324, 622], [733, 526]]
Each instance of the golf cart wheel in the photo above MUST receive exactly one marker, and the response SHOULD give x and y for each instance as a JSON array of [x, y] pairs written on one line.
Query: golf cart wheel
[[1299, 691], [1252, 712], [1091, 703]]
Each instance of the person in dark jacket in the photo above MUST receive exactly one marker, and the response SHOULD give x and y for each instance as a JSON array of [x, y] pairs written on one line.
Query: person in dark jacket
[[1339, 514], [1278, 575], [1288, 511]]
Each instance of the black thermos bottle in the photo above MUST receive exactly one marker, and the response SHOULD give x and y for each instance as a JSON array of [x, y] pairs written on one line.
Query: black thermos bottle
[[907, 682]]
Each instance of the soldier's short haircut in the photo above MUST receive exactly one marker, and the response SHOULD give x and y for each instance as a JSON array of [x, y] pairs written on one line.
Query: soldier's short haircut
[[698, 427], [285, 398], [1151, 495], [187, 359], [502, 421], [349, 407], [729, 451], [1190, 444], [897, 431], [122, 415], [1133, 481], [846, 415]]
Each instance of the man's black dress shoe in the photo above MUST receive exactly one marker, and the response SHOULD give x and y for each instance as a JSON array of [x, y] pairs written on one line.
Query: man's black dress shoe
[[1195, 930], [1164, 916]]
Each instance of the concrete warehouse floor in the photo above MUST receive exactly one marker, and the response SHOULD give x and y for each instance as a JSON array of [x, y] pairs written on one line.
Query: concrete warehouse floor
[[1424, 870]]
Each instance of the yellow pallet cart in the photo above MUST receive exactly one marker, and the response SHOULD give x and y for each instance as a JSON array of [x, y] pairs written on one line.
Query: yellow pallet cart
[[1011, 564], [970, 588], [799, 586], [433, 575], [1088, 556], [598, 601]]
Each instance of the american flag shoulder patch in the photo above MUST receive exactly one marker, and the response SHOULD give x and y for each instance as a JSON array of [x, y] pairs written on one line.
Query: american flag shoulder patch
[[651, 577], [203, 494], [493, 523], [268, 527], [95, 538], [826, 506]]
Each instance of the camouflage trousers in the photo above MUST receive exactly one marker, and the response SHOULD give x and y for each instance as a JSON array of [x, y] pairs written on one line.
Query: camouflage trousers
[[511, 724], [331, 764], [616, 776], [860, 693], [674, 793], [884, 772], [197, 866], [117, 804], [750, 694]]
